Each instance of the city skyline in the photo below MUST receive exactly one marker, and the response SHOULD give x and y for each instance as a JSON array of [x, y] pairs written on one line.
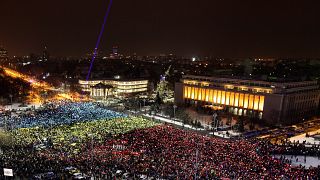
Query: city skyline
[[116, 89], [208, 28]]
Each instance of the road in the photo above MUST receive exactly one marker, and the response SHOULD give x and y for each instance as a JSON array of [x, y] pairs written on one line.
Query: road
[[39, 87], [34, 82], [294, 132]]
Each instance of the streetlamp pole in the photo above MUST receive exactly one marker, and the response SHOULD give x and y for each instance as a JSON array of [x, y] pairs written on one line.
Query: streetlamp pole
[[144, 105], [217, 123], [5, 122], [214, 120], [91, 135], [11, 99], [174, 111], [196, 165], [91, 152]]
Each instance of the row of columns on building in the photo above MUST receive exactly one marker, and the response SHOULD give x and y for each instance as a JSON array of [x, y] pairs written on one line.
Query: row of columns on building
[[236, 99]]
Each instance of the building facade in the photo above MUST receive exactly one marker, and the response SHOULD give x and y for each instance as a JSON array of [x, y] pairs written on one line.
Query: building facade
[[3, 55], [277, 103], [104, 88]]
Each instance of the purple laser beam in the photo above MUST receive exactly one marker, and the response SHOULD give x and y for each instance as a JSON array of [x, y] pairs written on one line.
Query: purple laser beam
[[99, 39]]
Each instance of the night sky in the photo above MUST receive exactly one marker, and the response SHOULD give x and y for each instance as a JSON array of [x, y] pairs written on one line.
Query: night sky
[[239, 28]]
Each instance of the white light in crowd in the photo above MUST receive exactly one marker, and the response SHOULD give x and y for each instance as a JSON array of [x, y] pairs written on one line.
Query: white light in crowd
[[193, 59]]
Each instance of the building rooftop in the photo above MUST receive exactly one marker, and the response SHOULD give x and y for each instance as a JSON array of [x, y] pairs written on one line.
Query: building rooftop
[[102, 86], [254, 83], [115, 79]]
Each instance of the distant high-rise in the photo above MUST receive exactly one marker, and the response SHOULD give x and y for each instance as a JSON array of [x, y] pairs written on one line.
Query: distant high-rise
[[248, 66], [115, 53], [3, 54], [115, 50], [96, 53], [45, 54]]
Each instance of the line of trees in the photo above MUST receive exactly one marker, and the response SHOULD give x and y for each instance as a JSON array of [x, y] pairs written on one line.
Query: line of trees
[[181, 114]]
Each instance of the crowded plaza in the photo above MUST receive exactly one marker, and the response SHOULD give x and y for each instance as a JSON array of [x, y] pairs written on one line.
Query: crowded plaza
[[57, 113], [82, 140]]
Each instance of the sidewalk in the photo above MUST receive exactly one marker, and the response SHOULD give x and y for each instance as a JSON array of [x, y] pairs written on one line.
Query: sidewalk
[[178, 123]]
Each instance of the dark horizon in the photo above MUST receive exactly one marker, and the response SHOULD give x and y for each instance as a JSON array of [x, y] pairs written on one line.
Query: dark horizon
[[206, 28]]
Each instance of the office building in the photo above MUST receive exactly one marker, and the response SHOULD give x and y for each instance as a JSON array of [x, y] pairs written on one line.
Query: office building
[[104, 88], [3, 55], [277, 103]]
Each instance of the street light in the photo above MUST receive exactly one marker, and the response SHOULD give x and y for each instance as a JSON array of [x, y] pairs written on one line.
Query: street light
[[144, 106], [196, 164], [5, 122], [215, 115], [10, 95], [91, 135], [174, 111]]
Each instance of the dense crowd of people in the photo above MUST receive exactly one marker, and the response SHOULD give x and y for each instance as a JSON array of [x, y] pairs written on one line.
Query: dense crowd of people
[[106, 144], [297, 149], [67, 140], [68, 136], [57, 113], [161, 152], [170, 153]]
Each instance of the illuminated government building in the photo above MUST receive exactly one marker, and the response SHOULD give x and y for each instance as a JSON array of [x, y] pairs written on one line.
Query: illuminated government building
[[272, 101], [103, 88]]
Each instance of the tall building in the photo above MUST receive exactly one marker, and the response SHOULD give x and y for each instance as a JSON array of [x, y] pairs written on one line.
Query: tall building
[[115, 50], [3, 55], [96, 53], [115, 53], [277, 103], [45, 54]]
